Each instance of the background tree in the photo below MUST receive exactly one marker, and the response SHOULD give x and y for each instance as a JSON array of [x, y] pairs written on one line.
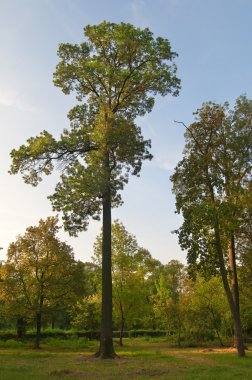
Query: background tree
[[206, 311], [209, 183], [168, 298], [13, 310], [130, 290], [59, 312], [115, 72], [86, 312], [150, 269], [40, 269]]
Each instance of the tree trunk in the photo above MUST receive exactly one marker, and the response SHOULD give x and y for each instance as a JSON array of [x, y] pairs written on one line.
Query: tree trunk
[[179, 327], [122, 325], [179, 336], [21, 328], [234, 280], [233, 307], [218, 335], [38, 330], [216, 328], [39, 318], [106, 349], [53, 322]]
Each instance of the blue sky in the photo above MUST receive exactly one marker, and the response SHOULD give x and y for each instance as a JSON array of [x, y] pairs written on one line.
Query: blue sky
[[213, 40]]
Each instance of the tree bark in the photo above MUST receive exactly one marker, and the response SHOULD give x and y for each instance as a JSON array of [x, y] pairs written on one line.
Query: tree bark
[[53, 322], [39, 319], [234, 280], [122, 325], [233, 307], [38, 330], [106, 349], [179, 327], [21, 328]]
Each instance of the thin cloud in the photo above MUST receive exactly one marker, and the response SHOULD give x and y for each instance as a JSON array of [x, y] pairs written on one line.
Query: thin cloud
[[166, 165], [162, 163], [12, 98], [137, 11]]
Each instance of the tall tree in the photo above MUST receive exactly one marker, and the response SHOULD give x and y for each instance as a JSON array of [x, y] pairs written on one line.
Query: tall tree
[[39, 272], [210, 184], [115, 74]]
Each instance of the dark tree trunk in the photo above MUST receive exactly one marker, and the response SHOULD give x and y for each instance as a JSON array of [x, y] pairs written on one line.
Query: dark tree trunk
[[179, 329], [122, 325], [53, 322], [234, 280], [106, 349], [218, 334], [39, 319], [233, 307], [21, 328], [216, 328], [38, 330]]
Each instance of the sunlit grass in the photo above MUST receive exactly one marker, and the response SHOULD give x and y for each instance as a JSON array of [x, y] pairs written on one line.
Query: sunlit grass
[[138, 360]]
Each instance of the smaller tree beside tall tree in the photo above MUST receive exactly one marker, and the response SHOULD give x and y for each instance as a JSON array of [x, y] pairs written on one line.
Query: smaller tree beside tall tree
[[40, 273]]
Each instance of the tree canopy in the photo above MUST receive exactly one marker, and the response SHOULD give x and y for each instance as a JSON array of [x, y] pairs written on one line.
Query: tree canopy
[[115, 73]]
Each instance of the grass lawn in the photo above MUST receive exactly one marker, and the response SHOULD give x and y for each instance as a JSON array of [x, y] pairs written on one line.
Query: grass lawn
[[139, 359]]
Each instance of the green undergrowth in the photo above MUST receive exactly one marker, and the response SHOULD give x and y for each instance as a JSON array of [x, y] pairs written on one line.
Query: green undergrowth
[[88, 334]]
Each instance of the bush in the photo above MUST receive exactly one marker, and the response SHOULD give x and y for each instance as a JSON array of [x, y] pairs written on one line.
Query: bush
[[148, 333], [60, 335], [11, 343]]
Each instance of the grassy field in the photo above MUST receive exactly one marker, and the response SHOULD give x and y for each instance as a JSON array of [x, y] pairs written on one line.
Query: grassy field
[[139, 359]]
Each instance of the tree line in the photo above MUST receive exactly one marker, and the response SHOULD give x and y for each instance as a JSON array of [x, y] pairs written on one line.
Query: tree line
[[43, 286], [115, 74]]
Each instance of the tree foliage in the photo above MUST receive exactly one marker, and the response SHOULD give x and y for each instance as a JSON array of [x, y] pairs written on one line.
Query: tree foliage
[[210, 184], [115, 72], [213, 178], [131, 267], [207, 314], [40, 274], [168, 298]]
